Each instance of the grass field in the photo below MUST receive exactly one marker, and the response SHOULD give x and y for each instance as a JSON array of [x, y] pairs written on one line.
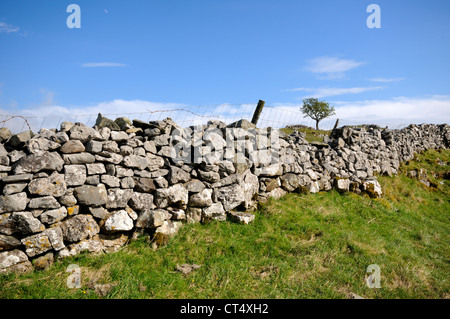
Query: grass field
[[301, 246]]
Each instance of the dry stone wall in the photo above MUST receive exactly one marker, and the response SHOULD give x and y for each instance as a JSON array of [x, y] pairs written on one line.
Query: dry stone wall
[[93, 189]]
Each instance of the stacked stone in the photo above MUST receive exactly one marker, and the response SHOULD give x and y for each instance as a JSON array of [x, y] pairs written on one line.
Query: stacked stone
[[92, 189]]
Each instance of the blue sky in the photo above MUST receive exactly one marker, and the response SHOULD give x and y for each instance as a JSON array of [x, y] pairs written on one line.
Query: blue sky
[[212, 52]]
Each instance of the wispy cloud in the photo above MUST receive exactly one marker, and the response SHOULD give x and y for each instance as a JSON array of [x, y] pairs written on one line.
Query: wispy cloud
[[331, 67], [8, 28], [386, 80], [102, 64], [332, 91]]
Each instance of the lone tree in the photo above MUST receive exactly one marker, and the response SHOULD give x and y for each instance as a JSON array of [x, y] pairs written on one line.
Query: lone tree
[[317, 110]]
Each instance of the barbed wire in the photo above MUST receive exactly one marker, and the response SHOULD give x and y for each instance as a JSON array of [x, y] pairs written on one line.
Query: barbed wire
[[271, 116]]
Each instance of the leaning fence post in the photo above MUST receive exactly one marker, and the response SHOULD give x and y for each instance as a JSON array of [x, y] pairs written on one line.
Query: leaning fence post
[[334, 128], [258, 111]]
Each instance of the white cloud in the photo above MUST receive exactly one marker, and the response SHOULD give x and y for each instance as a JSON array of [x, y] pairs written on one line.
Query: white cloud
[[386, 80], [331, 67], [8, 28], [102, 64], [330, 91]]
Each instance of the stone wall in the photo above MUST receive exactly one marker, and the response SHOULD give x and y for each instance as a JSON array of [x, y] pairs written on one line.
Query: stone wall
[[93, 189]]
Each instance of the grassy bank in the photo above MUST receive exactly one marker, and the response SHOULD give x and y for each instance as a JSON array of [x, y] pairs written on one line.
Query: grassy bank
[[301, 246]]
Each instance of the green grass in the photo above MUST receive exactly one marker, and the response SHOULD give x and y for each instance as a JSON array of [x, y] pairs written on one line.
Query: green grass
[[301, 246], [311, 134]]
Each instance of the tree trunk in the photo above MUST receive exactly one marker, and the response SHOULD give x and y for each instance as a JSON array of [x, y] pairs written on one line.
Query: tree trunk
[[317, 125]]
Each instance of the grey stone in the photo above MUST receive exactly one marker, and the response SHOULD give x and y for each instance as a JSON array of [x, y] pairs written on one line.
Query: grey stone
[[84, 133], [95, 168], [210, 177], [18, 178], [7, 224], [10, 189], [9, 242], [75, 175], [111, 146], [72, 146], [5, 134], [112, 158], [201, 199], [79, 227], [118, 198], [54, 185], [91, 195], [152, 218], [46, 202], [106, 122], [175, 195], [13, 203], [26, 223], [79, 158], [21, 138], [127, 182], [14, 261], [119, 136], [241, 217], [144, 184], [177, 175], [37, 244], [136, 161], [94, 146], [110, 181], [52, 216], [194, 186], [214, 212], [194, 214], [34, 163], [61, 137], [118, 221], [166, 231], [36, 145], [141, 201], [98, 212]]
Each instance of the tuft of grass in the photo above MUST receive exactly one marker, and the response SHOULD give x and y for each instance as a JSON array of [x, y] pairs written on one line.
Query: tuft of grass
[[311, 134], [300, 246]]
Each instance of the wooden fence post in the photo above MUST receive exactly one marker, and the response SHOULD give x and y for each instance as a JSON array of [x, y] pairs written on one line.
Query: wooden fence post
[[334, 128], [258, 111]]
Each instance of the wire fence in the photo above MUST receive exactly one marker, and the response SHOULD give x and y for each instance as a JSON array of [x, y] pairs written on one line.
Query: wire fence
[[271, 116]]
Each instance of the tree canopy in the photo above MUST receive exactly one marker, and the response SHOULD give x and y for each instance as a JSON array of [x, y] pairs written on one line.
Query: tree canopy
[[317, 110]]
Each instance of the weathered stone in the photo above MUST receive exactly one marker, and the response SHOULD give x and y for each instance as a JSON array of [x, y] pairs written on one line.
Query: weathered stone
[[68, 199], [277, 193], [141, 201], [136, 161], [14, 261], [91, 195], [17, 178], [110, 181], [106, 122], [342, 184], [201, 199], [118, 198], [178, 214], [75, 175], [46, 202], [244, 124], [66, 126], [43, 262], [230, 196], [7, 224], [241, 217], [10, 189], [94, 146], [72, 146], [372, 188], [175, 195], [13, 203], [26, 223], [271, 170], [119, 136], [20, 139], [44, 241], [54, 185], [5, 134], [52, 216], [118, 221], [177, 175], [194, 214], [79, 227], [79, 158], [84, 133], [194, 186], [150, 146], [95, 168], [98, 212], [213, 212], [61, 137], [36, 145], [127, 182], [123, 122], [9, 242], [34, 163], [155, 163], [143, 184], [166, 231], [73, 210], [210, 177], [152, 218]]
